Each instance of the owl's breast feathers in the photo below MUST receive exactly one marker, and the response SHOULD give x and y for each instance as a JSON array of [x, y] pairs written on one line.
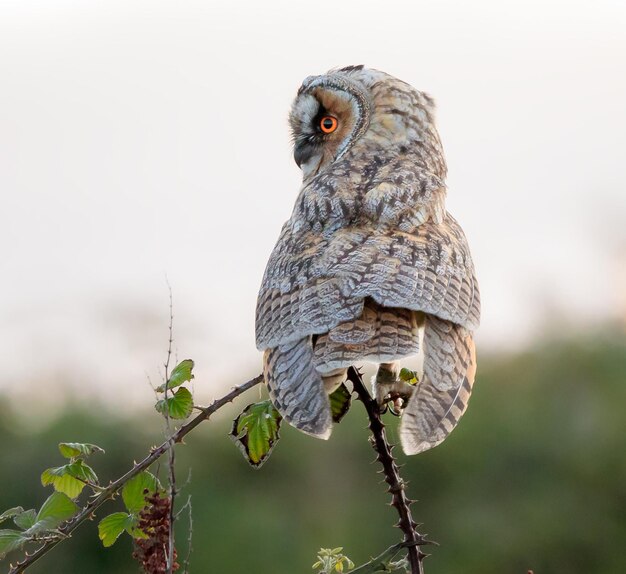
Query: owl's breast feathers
[[386, 237]]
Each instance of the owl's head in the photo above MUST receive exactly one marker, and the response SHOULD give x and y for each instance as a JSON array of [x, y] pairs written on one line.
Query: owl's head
[[357, 107]]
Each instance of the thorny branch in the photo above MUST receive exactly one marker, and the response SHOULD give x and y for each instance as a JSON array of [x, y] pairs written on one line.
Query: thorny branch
[[412, 539], [87, 512]]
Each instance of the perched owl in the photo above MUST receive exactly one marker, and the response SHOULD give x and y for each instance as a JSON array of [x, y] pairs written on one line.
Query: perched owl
[[370, 266]]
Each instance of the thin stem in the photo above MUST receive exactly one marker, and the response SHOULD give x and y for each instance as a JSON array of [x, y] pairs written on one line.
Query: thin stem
[[171, 331], [381, 562], [171, 453], [189, 535], [87, 512], [399, 500]]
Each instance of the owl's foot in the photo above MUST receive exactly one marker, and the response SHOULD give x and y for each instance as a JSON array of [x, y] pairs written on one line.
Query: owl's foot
[[393, 387]]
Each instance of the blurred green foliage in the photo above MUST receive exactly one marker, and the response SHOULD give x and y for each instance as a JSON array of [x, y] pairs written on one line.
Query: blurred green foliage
[[533, 478]]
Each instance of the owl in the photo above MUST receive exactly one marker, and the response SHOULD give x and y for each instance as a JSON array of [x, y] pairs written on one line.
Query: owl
[[370, 266]]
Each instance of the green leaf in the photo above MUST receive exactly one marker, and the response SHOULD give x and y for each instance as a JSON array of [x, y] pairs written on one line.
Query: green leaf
[[69, 478], [11, 540], [409, 376], [78, 449], [179, 406], [11, 513], [181, 374], [256, 431], [134, 491], [111, 526], [57, 508], [340, 401], [26, 519], [62, 481]]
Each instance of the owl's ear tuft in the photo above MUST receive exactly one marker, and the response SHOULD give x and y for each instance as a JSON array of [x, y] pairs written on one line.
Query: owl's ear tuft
[[356, 68]]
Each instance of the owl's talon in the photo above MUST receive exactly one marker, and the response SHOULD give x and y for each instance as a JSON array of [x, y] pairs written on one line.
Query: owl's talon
[[394, 412], [397, 407]]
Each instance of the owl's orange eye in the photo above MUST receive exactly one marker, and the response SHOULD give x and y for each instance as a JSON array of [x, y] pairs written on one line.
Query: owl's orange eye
[[328, 124]]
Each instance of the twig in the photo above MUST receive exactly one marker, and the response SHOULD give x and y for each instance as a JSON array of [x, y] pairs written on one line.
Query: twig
[[87, 512], [189, 535], [171, 338], [399, 500], [171, 453], [381, 562]]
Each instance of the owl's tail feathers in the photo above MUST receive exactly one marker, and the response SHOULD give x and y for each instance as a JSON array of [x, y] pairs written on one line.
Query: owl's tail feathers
[[297, 389], [441, 397]]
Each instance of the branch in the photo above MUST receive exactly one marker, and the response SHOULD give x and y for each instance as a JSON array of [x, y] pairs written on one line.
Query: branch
[[87, 512], [381, 562], [412, 539]]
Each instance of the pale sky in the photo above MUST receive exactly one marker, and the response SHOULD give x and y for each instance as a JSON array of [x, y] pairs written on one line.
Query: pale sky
[[145, 139]]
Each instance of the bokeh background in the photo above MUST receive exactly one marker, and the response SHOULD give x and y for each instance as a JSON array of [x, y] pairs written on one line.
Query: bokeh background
[[143, 143]]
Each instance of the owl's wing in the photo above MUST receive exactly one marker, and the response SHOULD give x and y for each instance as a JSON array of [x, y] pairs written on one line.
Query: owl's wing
[[429, 269], [316, 281], [296, 388], [297, 299], [294, 303], [441, 397]]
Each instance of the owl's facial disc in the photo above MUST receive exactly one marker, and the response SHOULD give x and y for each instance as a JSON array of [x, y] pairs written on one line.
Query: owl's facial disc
[[328, 116]]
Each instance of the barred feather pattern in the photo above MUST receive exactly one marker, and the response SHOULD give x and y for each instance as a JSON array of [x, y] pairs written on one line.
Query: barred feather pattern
[[437, 404], [380, 334], [296, 388], [368, 256]]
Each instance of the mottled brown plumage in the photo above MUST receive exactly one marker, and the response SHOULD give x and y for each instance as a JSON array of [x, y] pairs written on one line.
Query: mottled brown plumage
[[369, 259]]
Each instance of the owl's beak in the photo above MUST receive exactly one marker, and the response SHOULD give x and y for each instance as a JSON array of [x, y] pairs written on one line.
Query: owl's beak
[[302, 153]]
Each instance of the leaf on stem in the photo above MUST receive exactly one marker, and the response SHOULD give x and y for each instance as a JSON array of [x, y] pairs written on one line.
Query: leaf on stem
[[17, 510], [137, 489], [340, 401], [78, 449], [181, 374], [178, 406], [11, 540], [409, 376], [134, 495], [256, 431], [57, 508], [26, 519], [111, 526], [69, 478]]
